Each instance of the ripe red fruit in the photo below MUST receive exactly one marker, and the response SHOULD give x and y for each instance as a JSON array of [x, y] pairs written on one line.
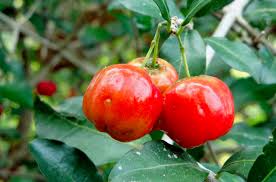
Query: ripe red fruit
[[162, 77], [122, 101], [1, 109], [47, 88], [196, 110]]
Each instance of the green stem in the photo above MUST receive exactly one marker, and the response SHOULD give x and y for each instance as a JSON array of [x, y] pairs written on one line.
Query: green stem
[[183, 55], [154, 46]]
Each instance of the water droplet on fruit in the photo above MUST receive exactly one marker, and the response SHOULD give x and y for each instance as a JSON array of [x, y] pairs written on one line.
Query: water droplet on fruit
[[164, 175], [120, 168]]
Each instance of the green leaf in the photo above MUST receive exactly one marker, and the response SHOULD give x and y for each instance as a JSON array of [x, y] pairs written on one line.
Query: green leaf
[[19, 92], [52, 125], [157, 161], [3, 64], [248, 136], [261, 13], [241, 162], [72, 107], [241, 57], [149, 8], [90, 35], [194, 6], [164, 9], [247, 91], [195, 52], [264, 168], [197, 153], [60, 163], [213, 6], [144, 7], [5, 3]]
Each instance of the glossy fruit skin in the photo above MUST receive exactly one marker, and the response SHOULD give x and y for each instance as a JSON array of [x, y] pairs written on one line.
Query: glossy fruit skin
[[163, 77], [122, 101], [196, 110], [46, 87]]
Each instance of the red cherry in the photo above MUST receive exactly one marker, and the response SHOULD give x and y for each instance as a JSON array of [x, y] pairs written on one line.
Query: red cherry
[[162, 77], [122, 101], [196, 110], [47, 88], [1, 109]]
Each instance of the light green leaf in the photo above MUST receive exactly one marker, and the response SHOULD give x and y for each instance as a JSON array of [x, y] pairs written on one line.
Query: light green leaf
[[195, 52], [241, 162], [52, 125], [157, 161]]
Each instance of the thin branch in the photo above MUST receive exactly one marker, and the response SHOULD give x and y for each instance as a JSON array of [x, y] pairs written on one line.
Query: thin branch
[[232, 11], [65, 53], [255, 34], [212, 153]]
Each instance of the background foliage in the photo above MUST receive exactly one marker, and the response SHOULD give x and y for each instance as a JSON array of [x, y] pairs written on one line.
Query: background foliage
[[69, 41]]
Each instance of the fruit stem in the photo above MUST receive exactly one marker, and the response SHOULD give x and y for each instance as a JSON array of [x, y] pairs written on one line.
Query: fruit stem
[[212, 153], [154, 46], [183, 55]]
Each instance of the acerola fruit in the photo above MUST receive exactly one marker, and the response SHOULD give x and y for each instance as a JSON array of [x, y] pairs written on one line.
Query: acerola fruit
[[122, 101], [196, 110], [1, 109], [162, 77], [47, 88]]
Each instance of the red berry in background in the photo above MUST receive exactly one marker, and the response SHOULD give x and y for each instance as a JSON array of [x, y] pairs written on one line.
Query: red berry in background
[[162, 77], [46, 87], [1, 109], [122, 101], [196, 110]]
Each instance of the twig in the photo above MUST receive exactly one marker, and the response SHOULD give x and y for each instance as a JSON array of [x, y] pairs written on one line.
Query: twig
[[232, 11], [65, 53], [256, 34], [211, 176], [213, 155]]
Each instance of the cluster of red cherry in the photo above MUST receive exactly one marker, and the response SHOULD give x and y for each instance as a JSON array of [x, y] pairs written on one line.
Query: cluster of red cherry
[[129, 101]]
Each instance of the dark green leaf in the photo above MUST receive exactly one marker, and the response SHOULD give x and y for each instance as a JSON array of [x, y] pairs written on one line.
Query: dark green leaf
[[90, 35], [60, 163], [72, 107], [164, 9], [144, 7], [5, 3], [157, 161], [194, 6], [195, 51], [248, 136], [241, 57], [264, 168], [9, 133], [3, 64], [261, 13], [241, 162], [213, 6], [18, 92], [52, 125], [197, 153]]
